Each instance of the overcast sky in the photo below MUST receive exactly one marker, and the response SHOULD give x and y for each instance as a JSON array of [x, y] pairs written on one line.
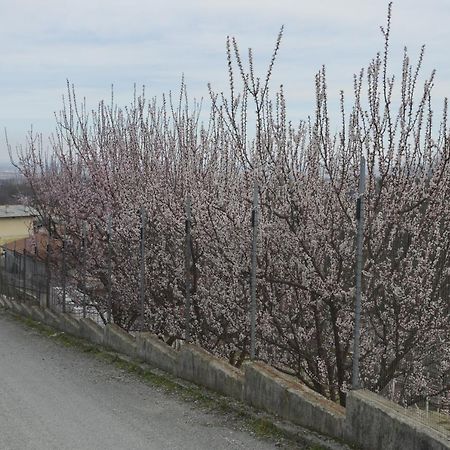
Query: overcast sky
[[97, 43]]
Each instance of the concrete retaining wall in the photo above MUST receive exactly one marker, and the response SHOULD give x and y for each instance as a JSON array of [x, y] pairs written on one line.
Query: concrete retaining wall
[[53, 319], [26, 309], [374, 422], [17, 307], [37, 314], [369, 420], [119, 340], [199, 366], [154, 351], [7, 303], [91, 331], [70, 325], [269, 389]]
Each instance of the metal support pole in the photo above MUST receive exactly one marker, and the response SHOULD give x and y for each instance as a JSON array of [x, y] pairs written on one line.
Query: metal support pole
[[187, 266], [14, 271], [83, 268], [19, 274], [37, 274], [253, 273], [109, 312], [142, 273], [393, 390], [2, 271], [63, 274], [6, 285], [25, 272], [359, 260], [47, 271]]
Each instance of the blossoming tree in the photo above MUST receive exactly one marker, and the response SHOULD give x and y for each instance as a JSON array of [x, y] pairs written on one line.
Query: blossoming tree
[[111, 162]]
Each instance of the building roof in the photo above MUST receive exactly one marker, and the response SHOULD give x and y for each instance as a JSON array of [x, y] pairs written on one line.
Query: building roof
[[8, 211]]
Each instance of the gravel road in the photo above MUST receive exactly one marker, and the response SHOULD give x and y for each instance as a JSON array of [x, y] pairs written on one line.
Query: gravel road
[[54, 397]]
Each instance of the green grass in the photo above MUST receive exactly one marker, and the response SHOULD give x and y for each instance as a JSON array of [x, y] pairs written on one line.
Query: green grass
[[264, 428]]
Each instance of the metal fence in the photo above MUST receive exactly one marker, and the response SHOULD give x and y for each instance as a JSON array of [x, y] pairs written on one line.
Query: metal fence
[[34, 281]]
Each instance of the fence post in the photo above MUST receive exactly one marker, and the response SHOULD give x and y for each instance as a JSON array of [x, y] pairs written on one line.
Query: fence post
[[253, 273], [142, 272], [25, 272], [19, 274], [393, 390], [108, 314], [83, 262], [359, 258], [63, 274], [187, 266], [37, 275], [2, 270], [14, 271], [47, 272]]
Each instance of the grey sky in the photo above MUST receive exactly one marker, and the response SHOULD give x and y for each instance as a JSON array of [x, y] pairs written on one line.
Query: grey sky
[[97, 43]]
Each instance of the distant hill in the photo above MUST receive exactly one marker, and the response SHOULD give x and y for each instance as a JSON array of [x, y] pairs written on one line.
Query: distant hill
[[9, 172], [6, 166], [5, 175], [13, 186]]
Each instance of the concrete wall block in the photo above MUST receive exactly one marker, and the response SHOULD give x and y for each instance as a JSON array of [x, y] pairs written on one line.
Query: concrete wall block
[[43, 300], [70, 325], [269, 389], [37, 314], [315, 411], [374, 422], [119, 340], [199, 366], [52, 319], [27, 310], [264, 389], [154, 351], [16, 307], [7, 302], [91, 331]]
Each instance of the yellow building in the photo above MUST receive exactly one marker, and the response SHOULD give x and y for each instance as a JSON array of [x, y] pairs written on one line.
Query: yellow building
[[16, 222]]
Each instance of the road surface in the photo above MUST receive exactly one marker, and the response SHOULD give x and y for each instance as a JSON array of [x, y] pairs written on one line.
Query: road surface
[[54, 397]]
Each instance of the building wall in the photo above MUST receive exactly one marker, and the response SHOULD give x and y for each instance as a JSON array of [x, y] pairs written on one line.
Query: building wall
[[13, 228]]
